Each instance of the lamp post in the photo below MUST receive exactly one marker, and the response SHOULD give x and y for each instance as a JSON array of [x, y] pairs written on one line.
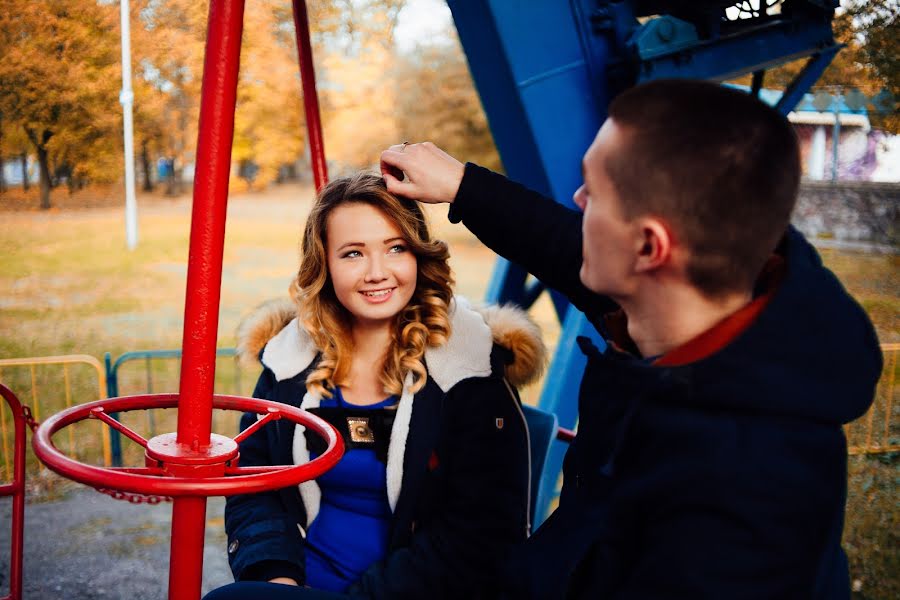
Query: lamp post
[[126, 99]]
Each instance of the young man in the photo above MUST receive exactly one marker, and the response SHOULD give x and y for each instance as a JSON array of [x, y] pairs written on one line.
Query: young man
[[710, 461]]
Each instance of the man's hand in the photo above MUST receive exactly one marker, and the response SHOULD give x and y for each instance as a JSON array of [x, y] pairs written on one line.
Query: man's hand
[[284, 581], [431, 175]]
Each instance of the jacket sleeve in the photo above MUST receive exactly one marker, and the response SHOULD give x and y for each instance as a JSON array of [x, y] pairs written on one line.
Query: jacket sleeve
[[542, 236], [263, 536], [480, 510]]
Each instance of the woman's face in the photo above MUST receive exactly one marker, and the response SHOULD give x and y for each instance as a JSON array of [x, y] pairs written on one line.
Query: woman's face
[[372, 268]]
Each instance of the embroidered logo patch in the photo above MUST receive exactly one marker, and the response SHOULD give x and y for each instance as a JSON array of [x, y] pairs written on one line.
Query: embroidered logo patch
[[499, 422]]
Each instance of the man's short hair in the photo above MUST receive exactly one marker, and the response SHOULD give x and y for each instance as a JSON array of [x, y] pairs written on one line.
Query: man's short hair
[[720, 166]]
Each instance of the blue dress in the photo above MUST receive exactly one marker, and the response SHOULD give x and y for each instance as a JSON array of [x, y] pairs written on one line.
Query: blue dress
[[351, 530]]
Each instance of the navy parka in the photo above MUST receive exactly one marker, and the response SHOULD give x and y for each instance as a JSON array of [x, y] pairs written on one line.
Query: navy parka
[[461, 467], [721, 478]]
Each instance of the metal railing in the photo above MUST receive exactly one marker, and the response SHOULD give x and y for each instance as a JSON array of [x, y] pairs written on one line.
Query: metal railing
[[876, 431], [16, 489], [29, 376]]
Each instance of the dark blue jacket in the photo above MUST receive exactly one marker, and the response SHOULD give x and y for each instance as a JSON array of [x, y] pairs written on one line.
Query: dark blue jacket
[[721, 478], [457, 464]]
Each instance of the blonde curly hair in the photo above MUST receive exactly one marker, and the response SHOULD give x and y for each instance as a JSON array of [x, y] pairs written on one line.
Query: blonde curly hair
[[424, 322]]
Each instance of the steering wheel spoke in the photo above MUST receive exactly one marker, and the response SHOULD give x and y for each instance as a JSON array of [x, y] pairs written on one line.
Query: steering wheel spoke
[[100, 413]]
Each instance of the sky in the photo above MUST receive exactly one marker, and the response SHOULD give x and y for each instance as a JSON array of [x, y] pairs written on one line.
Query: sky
[[420, 21]]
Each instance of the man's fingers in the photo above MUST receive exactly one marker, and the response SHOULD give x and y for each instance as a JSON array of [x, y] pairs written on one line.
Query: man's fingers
[[393, 156], [392, 162], [398, 187]]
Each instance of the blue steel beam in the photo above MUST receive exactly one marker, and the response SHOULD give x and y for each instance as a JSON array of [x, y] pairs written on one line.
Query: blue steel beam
[[727, 57], [805, 79]]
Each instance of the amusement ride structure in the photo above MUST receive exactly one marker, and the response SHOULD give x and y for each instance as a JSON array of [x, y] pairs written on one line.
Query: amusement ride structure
[[545, 70]]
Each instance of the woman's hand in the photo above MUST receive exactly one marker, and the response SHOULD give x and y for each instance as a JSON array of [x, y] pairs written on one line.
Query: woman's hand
[[284, 581], [431, 175]]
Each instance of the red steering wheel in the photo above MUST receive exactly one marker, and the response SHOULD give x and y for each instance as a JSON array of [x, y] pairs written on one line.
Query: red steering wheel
[[172, 469]]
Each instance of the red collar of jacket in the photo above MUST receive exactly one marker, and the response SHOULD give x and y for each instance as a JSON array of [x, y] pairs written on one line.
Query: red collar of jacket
[[716, 337]]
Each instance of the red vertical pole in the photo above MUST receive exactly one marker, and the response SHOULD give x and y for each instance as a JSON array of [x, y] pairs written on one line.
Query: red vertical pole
[[186, 550], [204, 274], [204, 280], [17, 490], [310, 97]]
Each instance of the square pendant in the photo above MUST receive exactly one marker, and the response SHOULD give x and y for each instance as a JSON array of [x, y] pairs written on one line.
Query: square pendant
[[360, 430]]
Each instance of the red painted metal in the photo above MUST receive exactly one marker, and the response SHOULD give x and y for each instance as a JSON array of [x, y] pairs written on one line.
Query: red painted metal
[[565, 435], [181, 480], [16, 489], [204, 273], [310, 97], [166, 449], [186, 548], [99, 413], [272, 415]]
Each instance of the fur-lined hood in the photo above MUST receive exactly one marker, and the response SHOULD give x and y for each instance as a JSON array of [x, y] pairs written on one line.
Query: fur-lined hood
[[272, 334]]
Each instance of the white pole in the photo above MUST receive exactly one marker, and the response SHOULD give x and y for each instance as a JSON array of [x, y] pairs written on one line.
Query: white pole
[[817, 154], [126, 99]]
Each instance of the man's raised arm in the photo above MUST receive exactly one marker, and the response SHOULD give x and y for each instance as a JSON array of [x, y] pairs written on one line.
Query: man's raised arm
[[519, 224]]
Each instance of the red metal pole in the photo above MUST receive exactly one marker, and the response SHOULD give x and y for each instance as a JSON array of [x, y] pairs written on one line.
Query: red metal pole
[[204, 280], [310, 98], [17, 490], [204, 274], [186, 549]]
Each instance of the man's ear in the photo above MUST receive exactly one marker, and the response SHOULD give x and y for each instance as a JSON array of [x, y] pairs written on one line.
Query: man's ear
[[654, 245]]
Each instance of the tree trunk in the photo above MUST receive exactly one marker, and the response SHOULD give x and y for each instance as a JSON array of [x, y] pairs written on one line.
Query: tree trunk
[[44, 164], [25, 182], [40, 144], [145, 164]]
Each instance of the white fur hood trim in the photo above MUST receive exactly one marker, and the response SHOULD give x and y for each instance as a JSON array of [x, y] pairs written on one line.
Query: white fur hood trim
[[466, 354]]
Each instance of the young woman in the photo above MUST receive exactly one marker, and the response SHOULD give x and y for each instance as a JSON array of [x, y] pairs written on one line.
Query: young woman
[[433, 489]]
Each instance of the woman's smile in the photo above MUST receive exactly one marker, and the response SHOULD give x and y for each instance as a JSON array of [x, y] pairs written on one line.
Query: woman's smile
[[378, 296]]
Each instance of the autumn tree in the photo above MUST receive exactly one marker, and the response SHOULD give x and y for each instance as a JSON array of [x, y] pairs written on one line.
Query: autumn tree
[[168, 42], [355, 52], [876, 28], [269, 121], [436, 99], [59, 80]]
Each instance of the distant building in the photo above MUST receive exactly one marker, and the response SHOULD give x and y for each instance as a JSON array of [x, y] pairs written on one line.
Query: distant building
[[864, 154]]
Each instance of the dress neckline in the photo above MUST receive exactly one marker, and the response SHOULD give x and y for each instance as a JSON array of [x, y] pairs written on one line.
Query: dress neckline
[[339, 399]]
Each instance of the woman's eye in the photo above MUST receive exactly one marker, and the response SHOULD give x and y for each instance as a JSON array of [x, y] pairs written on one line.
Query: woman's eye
[[351, 254], [397, 248]]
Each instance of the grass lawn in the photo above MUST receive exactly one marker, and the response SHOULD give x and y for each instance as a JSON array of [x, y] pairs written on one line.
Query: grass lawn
[[70, 286]]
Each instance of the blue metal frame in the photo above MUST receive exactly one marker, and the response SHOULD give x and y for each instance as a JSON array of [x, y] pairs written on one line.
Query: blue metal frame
[[546, 71]]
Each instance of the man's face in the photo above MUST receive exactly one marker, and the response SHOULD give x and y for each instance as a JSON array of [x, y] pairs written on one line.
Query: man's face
[[609, 240]]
